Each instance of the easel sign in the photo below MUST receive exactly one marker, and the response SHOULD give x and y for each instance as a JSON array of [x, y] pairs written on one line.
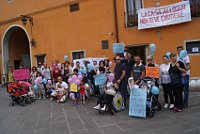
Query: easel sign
[[153, 72], [137, 104]]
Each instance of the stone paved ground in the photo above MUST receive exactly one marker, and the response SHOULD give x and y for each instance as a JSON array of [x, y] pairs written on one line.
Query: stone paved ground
[[47, 117]]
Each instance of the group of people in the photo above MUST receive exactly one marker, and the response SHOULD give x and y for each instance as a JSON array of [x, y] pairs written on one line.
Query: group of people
[[58, 86]]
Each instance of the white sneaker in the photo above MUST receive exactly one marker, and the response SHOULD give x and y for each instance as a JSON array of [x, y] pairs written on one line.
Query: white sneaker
[[166, 105], [51, 98], [104, 108], [171, 106], [97, 107]]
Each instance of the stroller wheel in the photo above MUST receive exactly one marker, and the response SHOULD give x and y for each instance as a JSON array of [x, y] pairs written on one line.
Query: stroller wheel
[[151, 113], [12, 104]]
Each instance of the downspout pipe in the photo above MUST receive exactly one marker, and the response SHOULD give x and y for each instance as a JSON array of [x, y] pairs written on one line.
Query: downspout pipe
[[115, 21]]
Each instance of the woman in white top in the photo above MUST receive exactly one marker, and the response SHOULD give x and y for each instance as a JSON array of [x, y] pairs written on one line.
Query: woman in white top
[[166, 82]]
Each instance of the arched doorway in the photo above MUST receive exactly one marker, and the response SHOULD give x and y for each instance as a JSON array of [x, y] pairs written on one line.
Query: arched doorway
[[16, 50]]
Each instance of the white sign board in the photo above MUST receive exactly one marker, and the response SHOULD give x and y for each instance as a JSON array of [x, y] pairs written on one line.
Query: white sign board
[[164, 15]]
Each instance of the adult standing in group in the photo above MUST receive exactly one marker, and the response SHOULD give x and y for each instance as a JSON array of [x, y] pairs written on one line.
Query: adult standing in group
[[46, 72], [40, 67], [186, 75], [67, 71], [120, 72], [166, 83], [176, 69], [33, 75], [138, 70], [129, 62], [56, 73]]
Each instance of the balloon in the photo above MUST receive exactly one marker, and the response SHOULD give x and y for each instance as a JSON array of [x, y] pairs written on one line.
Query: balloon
[[193, 83], [152, 48], [49, 82], [35, 87], [44, 80], [74, 78], [110, 63], [183, 54], [65, 57], [39, 79], [155, 90], [82, 71], [71, 95], [90, 67], [59, 66], [80, 77], [111, 77], [70, 80], [36, 82], [168, 54], [77, 82]]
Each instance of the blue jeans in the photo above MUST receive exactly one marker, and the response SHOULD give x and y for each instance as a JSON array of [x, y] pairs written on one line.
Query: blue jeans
[[186, 90]]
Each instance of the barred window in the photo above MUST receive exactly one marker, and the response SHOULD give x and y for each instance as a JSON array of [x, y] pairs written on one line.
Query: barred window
[[195, 8], [131, 13]]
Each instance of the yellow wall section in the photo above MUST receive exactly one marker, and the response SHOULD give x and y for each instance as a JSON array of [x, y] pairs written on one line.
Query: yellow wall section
[[58, 31]]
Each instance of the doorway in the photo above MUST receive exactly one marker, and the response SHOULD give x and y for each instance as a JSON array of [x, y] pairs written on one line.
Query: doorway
[[16, 51], [140, 50]]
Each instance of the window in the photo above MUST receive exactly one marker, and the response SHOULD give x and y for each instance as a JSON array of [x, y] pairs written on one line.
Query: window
[[78, 55], [195, 8], [132, 7], [193, 47], [104, 44], [41, 58], [74, 7]]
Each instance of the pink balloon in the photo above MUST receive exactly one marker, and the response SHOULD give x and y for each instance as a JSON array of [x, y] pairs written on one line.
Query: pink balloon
[[74, 78], [49, 82], [77, 82], [111, 77], [59, 66], [39, 79], [70, 80], [110, 63], [71, 95], [80, 77], [36, 82]]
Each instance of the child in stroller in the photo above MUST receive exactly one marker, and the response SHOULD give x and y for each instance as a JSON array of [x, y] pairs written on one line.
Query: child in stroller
[[152, 102], [20, 93], [152, 92], [105, 100]]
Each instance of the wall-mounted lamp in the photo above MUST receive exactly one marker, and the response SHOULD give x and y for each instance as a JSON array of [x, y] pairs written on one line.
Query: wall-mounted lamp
[[25, 18], [111, 33], [33, 42]]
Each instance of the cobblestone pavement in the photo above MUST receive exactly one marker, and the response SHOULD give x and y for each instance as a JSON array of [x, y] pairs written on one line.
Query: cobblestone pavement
[[49, 117]]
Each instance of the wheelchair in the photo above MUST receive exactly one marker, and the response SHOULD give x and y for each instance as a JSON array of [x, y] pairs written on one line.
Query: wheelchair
[[113, 103]]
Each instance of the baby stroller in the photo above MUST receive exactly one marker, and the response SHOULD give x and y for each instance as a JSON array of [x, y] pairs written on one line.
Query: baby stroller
[[19, 93], [152, 103]]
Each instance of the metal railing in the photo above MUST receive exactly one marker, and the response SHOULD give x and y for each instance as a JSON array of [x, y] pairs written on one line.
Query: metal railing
[[195, 10], [131, 18]]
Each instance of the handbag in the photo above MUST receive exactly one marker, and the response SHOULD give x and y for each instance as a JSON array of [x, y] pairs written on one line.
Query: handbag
[[110, 92]]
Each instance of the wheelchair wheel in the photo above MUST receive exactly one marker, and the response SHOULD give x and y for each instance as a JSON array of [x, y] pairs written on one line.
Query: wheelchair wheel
[[117, 102]]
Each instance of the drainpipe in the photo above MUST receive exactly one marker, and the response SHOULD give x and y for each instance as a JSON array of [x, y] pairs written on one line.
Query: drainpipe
[[116, 22]]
